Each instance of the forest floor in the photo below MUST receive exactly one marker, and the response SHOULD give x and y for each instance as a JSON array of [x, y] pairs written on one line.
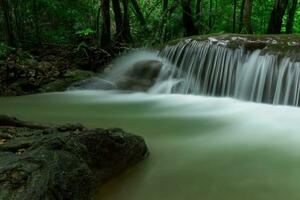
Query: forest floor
[[48, 68]]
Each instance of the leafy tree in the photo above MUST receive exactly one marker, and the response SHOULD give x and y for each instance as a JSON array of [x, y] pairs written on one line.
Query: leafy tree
[[115, 23]]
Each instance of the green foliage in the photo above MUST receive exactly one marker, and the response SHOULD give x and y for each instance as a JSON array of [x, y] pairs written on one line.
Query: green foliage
[[85, 32], [71, 22], [5, 50]]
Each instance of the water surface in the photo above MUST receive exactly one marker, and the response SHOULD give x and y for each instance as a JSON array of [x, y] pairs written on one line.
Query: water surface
[[201, 147]]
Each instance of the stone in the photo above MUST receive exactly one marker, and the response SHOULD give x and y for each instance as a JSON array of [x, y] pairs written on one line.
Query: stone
[[64, 162]]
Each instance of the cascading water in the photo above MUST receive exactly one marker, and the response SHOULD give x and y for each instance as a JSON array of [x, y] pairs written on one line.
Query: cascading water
[[210, 68], [200, 147]]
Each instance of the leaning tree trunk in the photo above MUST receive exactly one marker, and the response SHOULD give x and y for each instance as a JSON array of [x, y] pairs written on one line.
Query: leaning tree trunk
[[126, 25], [10, 35], [188, 22], [105, 35], [291, 16], [138, 13], [277, 14], [247, 16]]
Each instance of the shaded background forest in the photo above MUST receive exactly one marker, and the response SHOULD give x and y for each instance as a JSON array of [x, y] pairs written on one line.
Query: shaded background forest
[[43, 43], [108, 23]]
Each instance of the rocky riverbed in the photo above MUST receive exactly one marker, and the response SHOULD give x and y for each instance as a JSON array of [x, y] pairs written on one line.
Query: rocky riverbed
[[61, 162]]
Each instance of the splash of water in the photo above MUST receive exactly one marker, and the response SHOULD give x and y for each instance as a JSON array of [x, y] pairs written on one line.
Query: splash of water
[[201, 67], [209, 68]]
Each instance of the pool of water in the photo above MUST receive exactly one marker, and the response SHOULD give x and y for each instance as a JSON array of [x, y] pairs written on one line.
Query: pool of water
[[201, 147]]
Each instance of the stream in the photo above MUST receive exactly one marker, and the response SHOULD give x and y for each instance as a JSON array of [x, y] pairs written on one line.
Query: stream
[[201, 147]]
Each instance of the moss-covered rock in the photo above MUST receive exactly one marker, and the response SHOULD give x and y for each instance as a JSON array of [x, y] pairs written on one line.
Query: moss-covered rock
[[64, 162], [269, 43], [70, 77]]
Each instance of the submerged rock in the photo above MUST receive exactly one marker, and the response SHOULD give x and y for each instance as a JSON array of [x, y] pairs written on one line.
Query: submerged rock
[[65, 162], [139, 76], [93, 83]]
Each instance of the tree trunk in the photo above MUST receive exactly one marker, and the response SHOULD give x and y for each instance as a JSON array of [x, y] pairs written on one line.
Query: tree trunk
[[234, 16], [241, 16], [105, 35], [118, 20], [291, 17], [138, 12], [277, 14], [126, 25], [187, 19], [97, 24], [210, 14], [10, 36], [247, 16], [161, 36], [198, 8], [165, 5], [35, 9], [18, 19]]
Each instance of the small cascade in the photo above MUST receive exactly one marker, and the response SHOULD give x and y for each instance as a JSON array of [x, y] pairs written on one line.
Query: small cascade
[[212, 68]]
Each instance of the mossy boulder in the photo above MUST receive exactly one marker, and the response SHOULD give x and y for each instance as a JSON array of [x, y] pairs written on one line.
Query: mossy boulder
[[62, 162], [279, 44]]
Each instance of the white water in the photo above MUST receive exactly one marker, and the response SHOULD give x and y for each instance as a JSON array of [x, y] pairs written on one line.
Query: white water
[[212, 69]]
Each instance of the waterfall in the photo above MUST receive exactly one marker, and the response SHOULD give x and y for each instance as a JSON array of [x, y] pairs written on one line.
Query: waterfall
[[212, 68]]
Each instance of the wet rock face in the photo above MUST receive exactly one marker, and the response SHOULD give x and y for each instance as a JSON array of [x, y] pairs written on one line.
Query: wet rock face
[[139, 77], [40, 162], [275, 44], [142, 76], [147, 69]]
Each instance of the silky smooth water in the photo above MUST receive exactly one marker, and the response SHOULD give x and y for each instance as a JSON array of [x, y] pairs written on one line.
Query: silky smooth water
[[213, 68], [201, 147]]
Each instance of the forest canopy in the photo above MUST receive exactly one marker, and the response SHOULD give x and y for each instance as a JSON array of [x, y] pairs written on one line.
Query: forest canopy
[[107, 23]]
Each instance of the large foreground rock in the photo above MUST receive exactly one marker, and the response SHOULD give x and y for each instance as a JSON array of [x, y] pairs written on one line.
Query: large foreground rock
[[66, 162]]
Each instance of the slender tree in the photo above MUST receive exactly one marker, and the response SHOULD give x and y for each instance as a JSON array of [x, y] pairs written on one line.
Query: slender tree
[[198, 8], [106, 32], [10, 35], [97, 22], [247, 16], [291, 16], [275, 22], [166, 15], [188, 22], [126, 25], [210, 14], [241, 23], [138, 13], [165, 5], [234, 16], [35, 11], [118, 20]]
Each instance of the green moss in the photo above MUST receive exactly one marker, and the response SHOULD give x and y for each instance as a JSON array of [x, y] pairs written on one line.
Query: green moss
[[71, 76], [273, 43]]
